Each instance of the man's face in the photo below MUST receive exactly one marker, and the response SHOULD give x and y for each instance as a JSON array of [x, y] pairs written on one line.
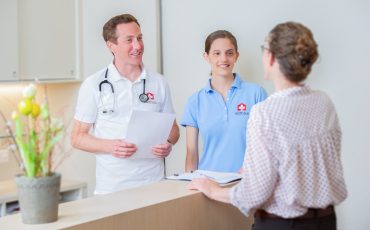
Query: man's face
[[129, 47]]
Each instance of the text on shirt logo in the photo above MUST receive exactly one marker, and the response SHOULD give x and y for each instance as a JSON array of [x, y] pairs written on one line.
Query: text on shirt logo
[[241, 109]]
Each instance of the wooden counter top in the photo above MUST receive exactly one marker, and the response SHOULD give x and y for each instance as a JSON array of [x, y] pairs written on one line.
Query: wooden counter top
[[163, 205]]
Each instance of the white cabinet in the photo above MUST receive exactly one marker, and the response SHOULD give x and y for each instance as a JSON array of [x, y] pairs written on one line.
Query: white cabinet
[[8, 40], [45, 40]]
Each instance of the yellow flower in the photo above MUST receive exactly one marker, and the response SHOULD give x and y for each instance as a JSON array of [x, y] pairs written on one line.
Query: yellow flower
[[35, 138], [35, 110], [25, 107]]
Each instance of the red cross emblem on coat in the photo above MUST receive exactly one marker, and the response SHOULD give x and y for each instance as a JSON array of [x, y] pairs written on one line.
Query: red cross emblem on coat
[[242, 107], [150, 96]]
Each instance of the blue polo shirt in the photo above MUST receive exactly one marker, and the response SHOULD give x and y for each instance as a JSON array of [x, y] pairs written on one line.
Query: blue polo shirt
[[222, 124]]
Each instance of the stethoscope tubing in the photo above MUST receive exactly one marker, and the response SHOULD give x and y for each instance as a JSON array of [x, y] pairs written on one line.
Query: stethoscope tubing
[[143, 97]]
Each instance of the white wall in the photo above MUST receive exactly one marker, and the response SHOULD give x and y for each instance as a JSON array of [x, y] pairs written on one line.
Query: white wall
[[96, 13], [342, 31]]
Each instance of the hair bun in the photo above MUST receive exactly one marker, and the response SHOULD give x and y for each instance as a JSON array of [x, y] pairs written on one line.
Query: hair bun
[[304, 61], [294, 47]]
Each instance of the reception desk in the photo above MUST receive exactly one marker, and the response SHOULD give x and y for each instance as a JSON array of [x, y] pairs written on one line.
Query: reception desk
[[165, 205]]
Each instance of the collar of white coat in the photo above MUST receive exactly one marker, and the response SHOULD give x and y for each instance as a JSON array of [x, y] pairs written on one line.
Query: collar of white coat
[[114, 75]]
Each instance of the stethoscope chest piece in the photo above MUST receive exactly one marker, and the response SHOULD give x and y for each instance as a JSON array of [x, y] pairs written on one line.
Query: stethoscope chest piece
[[143, 97]]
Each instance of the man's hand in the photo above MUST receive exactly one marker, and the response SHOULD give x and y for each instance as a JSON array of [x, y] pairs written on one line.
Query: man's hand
[[122, 149], [162, 150]]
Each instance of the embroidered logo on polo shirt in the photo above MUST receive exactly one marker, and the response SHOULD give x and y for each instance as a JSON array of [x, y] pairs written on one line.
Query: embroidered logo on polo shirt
[[241, 109], [150, 96]]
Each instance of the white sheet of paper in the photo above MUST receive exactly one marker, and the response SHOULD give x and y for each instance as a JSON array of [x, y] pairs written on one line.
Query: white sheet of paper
[[147, 129], [219, 177]]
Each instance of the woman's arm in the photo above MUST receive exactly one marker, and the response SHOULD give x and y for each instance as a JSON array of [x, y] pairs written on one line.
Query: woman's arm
[[211, 189], [192, 155]]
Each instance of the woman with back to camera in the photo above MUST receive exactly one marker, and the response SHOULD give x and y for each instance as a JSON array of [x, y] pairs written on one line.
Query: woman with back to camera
[[219, 111], [292, 171]]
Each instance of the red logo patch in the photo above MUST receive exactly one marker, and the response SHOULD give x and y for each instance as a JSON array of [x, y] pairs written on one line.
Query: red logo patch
[[242, 107], [150, 96]]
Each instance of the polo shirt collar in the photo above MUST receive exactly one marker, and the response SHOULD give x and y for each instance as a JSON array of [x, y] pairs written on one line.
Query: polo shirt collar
[[236, 83], [144, 73], [115, 76]]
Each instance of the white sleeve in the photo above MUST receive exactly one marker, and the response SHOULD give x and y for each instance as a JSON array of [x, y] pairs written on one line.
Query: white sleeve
[[86, 107], [167, 103]]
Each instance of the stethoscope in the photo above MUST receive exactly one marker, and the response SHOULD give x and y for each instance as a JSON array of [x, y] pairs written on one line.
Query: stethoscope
[[143, 97]]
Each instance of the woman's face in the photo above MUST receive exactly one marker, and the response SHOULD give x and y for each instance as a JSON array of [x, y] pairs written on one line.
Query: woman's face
[[266, 60], [222, 57]]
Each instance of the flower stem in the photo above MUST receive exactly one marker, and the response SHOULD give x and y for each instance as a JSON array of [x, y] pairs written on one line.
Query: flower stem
[[17, 157]]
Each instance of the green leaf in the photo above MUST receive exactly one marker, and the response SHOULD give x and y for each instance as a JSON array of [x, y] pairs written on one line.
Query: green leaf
[[18, 128]]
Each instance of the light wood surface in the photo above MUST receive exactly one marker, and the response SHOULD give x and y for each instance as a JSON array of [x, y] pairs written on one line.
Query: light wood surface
[[164, 205]]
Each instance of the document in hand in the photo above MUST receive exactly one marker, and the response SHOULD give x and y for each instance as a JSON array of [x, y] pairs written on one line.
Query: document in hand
[[147, 129], [219, 177]]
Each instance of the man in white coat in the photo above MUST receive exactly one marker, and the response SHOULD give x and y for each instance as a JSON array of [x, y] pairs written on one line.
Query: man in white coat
[[105, 103]]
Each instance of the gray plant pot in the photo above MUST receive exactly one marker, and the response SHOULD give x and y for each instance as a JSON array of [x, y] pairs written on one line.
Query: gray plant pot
[[38, 198]]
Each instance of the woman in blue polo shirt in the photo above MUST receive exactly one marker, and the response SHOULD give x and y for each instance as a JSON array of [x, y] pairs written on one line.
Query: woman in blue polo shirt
[[220, 110]]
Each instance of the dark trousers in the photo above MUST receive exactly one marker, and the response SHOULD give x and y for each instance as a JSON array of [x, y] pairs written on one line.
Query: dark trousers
[[318, 223]]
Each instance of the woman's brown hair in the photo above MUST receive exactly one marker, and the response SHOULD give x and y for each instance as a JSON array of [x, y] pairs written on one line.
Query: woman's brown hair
[[219, 34], [295, 49]]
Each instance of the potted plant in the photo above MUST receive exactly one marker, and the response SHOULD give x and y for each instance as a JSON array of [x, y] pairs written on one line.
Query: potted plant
[[34, 137]]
